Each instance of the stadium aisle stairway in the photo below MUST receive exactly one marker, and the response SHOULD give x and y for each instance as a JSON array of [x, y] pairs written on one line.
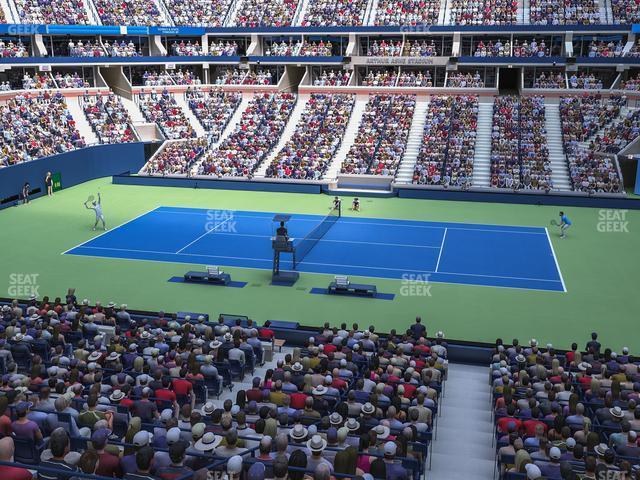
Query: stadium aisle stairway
[[195, 123], [462, 449], [349, 136], [414, 142], [559, 166], [82, 124], [289, 130], [482, 158]]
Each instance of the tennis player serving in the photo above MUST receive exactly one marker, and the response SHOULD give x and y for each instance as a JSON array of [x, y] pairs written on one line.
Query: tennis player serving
[[96, 206]]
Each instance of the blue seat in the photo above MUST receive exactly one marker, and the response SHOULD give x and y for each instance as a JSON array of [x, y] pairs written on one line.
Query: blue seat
[[213, 386], [236, 369], [26, 451]]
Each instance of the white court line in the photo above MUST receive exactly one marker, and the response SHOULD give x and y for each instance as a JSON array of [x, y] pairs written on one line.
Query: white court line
[[444, 236], [328, 240], [206, 232], [320, 264], [102, 257], [344, 220], [111, 230], [555, 259]]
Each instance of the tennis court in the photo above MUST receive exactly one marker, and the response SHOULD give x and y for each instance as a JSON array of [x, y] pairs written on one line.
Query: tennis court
[[472, 254]]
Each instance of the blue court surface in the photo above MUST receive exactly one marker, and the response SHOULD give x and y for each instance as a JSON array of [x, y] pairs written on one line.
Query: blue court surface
[[460, 253]]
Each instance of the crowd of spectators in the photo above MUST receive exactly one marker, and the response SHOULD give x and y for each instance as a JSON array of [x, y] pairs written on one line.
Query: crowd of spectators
[[316, 138], [384, 48], [12, 49], [448, 142], [632, 83], [213, 108], [382, 136], [283, 49], [260, 77], [492, 49], [565, 415], [252, 13], [198, 13], [163, 110], [85, 49], [519, 153], [407, 12], [582, 117], [618, 135], [413, 79], [122, 49], [35, 126], [465, 80], [135, 12], [332, 78], [316, 49], [550, 80], [531, 49], [70, 80], [108, 117], [564, 12], [63, 12], [223, 49], [187, 49], [176, 157], [37, 81], [339, 13], [380, 77], [231, 76], [154, 79], [585, 81], [477, 12], [185, 77], [634, 51], [625, 12], [348, 402], [259, 129], [420, 48], [604, 49]]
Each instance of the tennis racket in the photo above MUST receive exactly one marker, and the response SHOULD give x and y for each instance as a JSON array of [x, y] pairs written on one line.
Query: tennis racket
[[554, 223], [90, 199]]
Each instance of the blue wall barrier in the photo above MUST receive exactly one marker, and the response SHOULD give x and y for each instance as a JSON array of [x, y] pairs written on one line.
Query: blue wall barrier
[[216, 184], [521, 198], [75, 167]]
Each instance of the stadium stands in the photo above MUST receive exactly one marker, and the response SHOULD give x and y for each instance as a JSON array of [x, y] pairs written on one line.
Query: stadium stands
[[176, 157], [564, 415], [109, 118], [36, 126], [257, 133], [519, 154], [448, 144], [315, 140], [382, 136], [162, 109], [213, 108]]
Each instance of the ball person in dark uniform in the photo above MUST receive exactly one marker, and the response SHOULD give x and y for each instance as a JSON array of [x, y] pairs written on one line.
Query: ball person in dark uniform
[[281, 231], [48, 182]]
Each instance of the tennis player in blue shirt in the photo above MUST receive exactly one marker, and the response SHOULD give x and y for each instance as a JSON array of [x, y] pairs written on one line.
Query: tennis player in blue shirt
[[565, 223]]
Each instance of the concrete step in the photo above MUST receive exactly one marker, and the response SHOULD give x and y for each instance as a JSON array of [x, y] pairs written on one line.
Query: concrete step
[[82, 124]]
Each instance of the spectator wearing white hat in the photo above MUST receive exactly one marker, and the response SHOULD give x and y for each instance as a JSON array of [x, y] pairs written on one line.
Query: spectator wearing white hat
[[551, 469], [316, 445]]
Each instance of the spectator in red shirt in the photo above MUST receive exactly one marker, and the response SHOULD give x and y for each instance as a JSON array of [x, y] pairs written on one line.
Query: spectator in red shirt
[[183, 388], [165, 394], [108, 464], [6, 455], [266, 333], [503, 423]]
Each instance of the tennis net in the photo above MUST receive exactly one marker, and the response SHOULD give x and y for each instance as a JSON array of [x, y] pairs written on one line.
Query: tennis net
[[307, 243]]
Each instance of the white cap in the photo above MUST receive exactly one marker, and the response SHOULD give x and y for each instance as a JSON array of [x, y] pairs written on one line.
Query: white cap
[[555, 453], [533, 472], [234, 465], [390, 448]]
